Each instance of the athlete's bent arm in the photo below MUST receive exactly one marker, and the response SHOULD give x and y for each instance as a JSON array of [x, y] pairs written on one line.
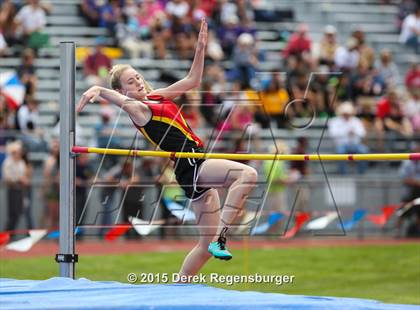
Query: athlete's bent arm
[[138, 111], [193, 79]]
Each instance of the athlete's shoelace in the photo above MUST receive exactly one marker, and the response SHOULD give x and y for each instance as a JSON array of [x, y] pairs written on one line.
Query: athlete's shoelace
[[222, 239]]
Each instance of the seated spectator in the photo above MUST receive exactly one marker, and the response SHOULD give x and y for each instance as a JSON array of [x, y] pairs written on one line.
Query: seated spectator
[[51, 187], [129, 38], [214, 49], [26, 71], [15, 175], [405, 8], [412, 110], [209, 102], [7, 24], [90, 9], [160, 32], [109, 15], [104, 131], [225, 10], [28, 113], [348, 131], [367, 53], [299, 43], [245, 59], [31, 19], [347, 58], [412, 77], [274, 100], [387, 69], [181, 27], [390, 118], [410, 30], [366, 82], [97, 65], [324, 50], [228, 34], [147, 12]]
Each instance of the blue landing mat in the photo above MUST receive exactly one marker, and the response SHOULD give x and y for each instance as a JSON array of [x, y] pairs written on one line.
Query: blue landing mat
[[64, 293]]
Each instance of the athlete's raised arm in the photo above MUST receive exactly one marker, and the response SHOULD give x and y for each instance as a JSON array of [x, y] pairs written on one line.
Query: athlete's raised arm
[[137, 110], [193, 79]]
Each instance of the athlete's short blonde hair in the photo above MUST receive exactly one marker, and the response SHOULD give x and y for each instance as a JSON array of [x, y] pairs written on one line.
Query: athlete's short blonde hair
[[115, 77]]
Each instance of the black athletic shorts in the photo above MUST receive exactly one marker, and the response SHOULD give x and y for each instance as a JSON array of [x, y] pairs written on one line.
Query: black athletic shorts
[[186, 172]]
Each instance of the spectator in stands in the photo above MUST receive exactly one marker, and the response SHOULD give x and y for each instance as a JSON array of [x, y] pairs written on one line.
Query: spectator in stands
[[84, 173], [27, 191], [223, 12], [31, 19], [190, 109], [109, 15], [228, 34], [410, 31], [387, 69], [405, 8], [146, 13], [160, 32], [325, 50], [209, 102], [51, 187], [390, 118], [299, 43], [274, 100], [7, 23], [348, 131], [126, 175], [278, 177], [245, 59], [412, 110], [90, 9], [26, 71], [28, 113], [181, 27], [105, 136], [33, 139], [129, 38], [347, 58], [96, 65], [15, 175], [366, 82], [214, 49], [300, 171], [367, 53], [412, 77]]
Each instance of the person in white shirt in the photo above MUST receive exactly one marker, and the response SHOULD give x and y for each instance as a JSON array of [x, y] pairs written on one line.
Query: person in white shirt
[[347, 58], [177, 8], [410, 30], [348, 131], [28, 113], [31, 18]]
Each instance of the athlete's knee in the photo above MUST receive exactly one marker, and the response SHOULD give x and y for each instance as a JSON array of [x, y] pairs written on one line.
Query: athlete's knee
[[250, 176]]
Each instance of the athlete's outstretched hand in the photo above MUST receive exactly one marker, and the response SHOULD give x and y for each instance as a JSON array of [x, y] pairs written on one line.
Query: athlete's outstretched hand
[[88, 96], [202, 36]]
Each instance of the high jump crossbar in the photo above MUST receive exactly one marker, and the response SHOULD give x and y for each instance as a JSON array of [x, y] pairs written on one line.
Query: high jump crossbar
[[236, 156]]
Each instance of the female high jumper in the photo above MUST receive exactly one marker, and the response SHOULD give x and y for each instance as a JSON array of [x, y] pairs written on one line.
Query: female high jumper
[[161, 122]]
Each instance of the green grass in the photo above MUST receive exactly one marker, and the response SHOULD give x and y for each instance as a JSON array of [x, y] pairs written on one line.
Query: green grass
[[387, 273]]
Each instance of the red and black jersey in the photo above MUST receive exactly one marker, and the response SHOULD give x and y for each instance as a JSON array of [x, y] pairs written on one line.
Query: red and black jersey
[[167, 128]]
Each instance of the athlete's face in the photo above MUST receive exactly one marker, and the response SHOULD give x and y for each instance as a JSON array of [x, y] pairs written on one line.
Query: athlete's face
[[132, 84]]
